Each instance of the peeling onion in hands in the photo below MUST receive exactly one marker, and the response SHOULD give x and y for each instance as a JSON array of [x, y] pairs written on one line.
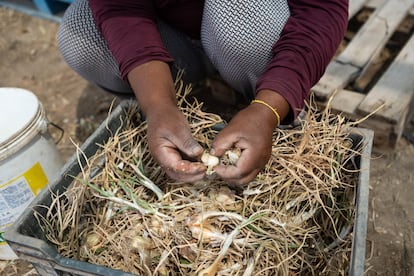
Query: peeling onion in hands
[[210, 161], [233, 155]]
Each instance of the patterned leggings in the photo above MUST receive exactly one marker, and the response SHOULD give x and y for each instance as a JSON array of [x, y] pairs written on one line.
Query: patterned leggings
[[236, 41]]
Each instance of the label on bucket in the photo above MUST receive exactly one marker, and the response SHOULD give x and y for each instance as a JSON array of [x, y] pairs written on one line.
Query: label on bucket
[[16, 194]]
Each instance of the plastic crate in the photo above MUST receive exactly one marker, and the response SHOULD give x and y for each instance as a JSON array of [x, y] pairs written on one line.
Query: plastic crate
[[27, 240]]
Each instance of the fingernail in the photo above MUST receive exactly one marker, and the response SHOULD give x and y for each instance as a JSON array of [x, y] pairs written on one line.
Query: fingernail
[[197, 150]]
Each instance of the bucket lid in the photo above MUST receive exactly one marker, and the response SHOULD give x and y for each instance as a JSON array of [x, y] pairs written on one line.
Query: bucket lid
[[18, 107]]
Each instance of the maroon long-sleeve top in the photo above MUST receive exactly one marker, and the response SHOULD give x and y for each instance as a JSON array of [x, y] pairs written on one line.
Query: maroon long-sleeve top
[[300, 56]]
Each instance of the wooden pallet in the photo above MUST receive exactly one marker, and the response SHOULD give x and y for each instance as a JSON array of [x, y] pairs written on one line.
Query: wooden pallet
[[388, 100]]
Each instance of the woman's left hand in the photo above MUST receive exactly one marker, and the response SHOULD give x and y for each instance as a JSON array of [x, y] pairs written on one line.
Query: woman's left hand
[[250, 130]]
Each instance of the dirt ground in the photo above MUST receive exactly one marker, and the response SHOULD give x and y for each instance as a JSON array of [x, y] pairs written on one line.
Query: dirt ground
[[29, 59]]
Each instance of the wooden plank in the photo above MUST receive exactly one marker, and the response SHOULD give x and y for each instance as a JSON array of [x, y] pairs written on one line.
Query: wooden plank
[[375, 3], [337, 76], [394, 89], [385, 138], [374, 34], [355, 6], [364, 47], [346, 101]]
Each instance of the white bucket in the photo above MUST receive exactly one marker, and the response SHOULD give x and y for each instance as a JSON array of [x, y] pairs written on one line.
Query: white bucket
[[29, 159]]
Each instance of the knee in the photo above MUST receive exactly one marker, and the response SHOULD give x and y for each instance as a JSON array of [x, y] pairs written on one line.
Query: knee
[[85, 51], [65, 40], [74, 38]]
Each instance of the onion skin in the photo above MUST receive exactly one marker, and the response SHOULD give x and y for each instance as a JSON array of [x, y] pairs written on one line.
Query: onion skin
[[210, 161]]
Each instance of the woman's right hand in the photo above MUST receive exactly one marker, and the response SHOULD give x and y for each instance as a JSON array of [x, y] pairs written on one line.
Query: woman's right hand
[[169, 137], [172, 145]]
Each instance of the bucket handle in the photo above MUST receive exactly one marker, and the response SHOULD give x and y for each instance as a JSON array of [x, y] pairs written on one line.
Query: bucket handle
[[62, 131]]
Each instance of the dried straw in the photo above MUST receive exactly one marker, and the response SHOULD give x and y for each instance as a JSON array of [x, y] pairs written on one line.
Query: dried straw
[[123, 212]]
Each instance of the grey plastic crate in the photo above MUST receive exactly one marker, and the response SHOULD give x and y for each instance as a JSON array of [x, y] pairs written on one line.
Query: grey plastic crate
[[26, 238]]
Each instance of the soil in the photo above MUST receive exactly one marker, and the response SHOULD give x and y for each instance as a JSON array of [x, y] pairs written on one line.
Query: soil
[[30, 59]]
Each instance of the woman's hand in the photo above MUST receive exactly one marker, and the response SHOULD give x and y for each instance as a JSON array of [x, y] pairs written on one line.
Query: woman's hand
[[169, 136], [250, 130], [172, 145]]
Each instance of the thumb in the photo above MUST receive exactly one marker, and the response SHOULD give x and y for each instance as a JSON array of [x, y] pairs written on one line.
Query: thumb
[[190, 147], [221, 144]]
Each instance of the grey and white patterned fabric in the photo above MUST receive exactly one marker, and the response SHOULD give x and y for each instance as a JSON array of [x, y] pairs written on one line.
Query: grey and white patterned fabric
[[85, 51], [236, 37]]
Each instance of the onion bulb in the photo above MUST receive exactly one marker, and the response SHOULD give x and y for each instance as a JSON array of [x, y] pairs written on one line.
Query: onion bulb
[[92, 240], [210, 161]]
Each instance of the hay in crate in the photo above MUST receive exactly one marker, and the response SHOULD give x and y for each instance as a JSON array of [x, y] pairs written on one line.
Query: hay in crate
[[296, 217]]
